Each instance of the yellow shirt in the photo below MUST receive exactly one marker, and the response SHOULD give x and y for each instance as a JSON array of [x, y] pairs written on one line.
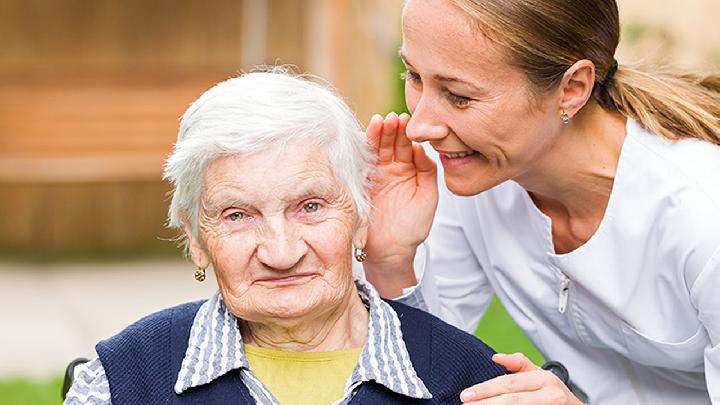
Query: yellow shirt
[[303, 378]]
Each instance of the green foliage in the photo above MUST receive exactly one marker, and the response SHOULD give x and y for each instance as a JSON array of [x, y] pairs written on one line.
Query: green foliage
[[633, 31], [648, 39], [500, 332], [715, 57], [24, 391], [398, 89]]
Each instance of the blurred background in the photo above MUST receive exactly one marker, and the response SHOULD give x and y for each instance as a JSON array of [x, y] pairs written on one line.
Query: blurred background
[[91, 92]]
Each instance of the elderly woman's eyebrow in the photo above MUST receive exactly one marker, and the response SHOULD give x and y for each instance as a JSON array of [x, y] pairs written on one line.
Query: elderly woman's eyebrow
[[219, 203], [315, 188]]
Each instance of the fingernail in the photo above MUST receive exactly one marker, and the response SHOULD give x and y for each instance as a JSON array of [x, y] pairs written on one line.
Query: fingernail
[[466, 395]]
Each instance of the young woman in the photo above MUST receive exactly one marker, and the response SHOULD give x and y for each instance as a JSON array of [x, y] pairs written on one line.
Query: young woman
[[584, 193]]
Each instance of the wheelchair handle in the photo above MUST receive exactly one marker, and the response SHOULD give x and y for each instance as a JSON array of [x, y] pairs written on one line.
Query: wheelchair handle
[[562, 373]]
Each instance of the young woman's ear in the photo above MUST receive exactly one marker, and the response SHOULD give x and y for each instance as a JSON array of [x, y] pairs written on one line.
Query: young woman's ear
[[577, 86], [195, 248]]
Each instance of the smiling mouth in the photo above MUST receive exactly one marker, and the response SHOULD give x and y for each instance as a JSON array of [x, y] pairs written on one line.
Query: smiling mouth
[[456, 155], [456, 160]]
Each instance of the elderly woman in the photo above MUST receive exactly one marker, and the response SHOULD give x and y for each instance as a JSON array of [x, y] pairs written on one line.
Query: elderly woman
[[270, 187]]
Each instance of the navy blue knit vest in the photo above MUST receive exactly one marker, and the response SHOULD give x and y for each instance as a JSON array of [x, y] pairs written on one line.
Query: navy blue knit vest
[[143, 361]]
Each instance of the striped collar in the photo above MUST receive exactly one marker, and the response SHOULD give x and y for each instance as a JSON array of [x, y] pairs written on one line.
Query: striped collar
[[215, 348]]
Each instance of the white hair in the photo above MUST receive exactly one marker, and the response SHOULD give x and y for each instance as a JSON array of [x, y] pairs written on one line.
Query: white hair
[[256, 111]]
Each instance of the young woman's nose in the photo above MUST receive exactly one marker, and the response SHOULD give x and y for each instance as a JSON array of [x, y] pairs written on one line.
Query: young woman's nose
[[280, 247], [425, 124]]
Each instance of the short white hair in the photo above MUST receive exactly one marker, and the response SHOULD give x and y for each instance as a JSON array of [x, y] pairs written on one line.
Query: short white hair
[[256, 111]]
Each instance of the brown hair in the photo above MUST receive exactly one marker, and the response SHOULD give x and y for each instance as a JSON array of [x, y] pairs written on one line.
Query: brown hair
[[543, 38]]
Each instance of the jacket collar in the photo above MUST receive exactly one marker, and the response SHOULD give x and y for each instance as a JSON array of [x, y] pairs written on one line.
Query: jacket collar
[[215, 347]]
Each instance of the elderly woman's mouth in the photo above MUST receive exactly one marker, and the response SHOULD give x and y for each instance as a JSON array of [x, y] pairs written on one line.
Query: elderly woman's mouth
[[289, 279]]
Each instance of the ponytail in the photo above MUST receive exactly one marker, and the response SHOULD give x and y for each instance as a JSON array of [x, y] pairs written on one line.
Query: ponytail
[[672, 105]]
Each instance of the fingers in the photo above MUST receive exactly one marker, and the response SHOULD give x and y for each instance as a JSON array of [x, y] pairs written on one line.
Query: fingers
[[373, 133], [514, 363], [387, 141], [403, 146], [533, 398], [426, 170], [546, 396], [423, 163], [529, 385], [505, 384]]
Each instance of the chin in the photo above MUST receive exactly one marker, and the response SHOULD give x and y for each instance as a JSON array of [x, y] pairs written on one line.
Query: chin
[[466, 187], [288, 304]]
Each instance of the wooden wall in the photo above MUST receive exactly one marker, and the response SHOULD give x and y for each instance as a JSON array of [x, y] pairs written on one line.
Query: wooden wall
[[91, 92], [82, 36], [78, 219]]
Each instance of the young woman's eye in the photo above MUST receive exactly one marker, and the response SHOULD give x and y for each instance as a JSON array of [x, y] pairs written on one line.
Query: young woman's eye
[[311, 207], [458, 101], [410, 76]]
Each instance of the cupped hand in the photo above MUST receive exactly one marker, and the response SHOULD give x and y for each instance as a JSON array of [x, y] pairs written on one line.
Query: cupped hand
[[528, 385], [404, 199]]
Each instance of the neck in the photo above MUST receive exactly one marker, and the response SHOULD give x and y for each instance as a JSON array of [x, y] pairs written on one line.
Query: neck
[[342, 327], [576, 176]]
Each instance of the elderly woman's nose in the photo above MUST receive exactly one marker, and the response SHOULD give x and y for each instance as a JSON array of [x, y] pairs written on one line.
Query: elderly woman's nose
[[424, 124], [281, 246]]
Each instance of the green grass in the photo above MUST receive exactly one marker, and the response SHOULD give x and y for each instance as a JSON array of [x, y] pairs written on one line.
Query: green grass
[[25, 391], [499, 331]]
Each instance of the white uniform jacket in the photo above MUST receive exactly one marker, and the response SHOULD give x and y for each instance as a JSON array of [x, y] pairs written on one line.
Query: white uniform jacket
[[634, 313]]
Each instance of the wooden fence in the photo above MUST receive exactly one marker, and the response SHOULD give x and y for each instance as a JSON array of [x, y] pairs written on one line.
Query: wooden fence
[[91, 92]]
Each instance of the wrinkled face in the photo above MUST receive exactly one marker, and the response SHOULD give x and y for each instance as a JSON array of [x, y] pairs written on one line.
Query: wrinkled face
[[277, 227], [472, 106]]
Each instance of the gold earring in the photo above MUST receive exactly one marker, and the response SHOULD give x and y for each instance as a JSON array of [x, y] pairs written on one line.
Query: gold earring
[[565, 118], [360, 255], [200, 275]]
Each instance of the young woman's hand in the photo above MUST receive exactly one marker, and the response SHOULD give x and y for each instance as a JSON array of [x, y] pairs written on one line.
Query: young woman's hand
[[528, 385], [404, 199]]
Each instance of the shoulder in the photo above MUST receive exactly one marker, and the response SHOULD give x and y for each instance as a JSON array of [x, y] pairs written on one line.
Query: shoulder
[[447, 359], [416, 321], [675, 185], [153, 326], [691, 162], [143, 360]]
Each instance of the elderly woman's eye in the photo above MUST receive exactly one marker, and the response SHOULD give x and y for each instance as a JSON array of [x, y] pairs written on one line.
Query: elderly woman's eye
[[311, 207], [236, 216]]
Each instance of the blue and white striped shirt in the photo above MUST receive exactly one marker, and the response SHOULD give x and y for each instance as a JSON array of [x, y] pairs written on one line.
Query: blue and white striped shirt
[[215, 348]]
